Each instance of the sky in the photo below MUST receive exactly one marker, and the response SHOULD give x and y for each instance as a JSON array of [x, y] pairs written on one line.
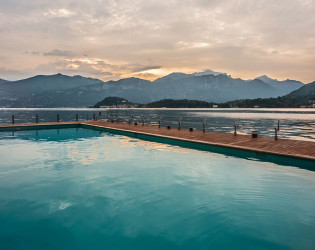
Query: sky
[[108, 39]]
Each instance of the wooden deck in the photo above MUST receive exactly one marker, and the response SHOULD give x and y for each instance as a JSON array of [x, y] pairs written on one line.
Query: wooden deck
[[284, 147]]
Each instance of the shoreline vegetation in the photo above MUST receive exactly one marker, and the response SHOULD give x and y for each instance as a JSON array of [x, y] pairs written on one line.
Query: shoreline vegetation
[[301, 98]]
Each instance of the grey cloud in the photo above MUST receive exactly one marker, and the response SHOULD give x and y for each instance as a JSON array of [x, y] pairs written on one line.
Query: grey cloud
[[32, 52], [141, 68], [57, 52]]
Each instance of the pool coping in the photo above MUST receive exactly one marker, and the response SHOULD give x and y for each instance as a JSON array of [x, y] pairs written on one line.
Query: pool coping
[[112, 127], [205, 143]]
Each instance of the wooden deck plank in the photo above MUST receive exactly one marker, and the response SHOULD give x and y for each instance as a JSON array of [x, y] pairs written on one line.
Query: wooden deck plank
[[285, 147]]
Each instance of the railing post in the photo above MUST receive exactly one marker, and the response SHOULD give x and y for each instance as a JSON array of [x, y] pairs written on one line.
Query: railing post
[[179, 123], [278, 128], [204, 125], [57, 117], [12, 119], [77, 117], [94, 117], [235, 133], [36, 118], [276, 134], [142, 122], [160, 121]]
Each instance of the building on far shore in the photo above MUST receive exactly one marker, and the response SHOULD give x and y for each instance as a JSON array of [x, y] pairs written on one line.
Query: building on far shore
[[312, 103], [121, 106]]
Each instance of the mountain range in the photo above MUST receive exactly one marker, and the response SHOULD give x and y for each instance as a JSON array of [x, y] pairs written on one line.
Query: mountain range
[[77, 91], [303, 97]]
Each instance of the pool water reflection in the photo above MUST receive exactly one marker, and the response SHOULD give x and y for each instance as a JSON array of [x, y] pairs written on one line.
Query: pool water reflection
[[84, 189]]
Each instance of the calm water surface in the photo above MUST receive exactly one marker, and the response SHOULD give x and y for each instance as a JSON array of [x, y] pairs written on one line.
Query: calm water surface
[[83, 189], [294, 123]]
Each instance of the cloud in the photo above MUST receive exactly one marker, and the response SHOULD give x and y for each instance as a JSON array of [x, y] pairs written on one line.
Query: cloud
[[97, 68], [140, 68], [59, 13], [57, 52], [237, 37], [147, 76]]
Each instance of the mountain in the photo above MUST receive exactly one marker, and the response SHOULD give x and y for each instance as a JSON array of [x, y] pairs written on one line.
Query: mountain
[[77, 91], [183, 103], [307, 91], [172, 77], [284, 87], [3, 81], [208, 72], [112, 101], [295, 99], [22, 92], [133, 89]]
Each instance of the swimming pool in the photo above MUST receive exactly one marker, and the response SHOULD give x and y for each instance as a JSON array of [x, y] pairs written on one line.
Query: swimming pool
[[86, 189]]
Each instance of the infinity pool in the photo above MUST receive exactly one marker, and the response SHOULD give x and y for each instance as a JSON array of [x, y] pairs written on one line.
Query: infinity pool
[[84, 189]]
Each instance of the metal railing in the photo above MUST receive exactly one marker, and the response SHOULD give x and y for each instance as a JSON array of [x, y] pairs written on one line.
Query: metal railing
[[237, 128]]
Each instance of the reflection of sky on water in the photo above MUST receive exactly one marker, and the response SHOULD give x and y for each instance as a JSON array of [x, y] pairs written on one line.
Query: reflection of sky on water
[[294, 123], [85, 148]]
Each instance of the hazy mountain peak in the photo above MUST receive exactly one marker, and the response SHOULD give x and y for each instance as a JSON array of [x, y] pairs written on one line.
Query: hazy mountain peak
[[265, 79], [209, 72], [174, 76]]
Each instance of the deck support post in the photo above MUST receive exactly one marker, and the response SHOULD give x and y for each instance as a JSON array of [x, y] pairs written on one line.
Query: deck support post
[[254, 134]]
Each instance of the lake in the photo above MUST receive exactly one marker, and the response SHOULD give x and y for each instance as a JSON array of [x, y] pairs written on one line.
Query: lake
[[296, 124]]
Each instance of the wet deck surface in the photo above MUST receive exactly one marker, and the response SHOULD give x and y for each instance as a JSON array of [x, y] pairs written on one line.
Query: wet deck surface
[[285, 147]]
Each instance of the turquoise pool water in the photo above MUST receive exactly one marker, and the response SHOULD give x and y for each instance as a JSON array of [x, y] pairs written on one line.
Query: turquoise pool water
[[85, 189]]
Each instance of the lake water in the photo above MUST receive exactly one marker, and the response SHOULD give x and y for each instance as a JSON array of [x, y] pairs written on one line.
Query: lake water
[[84, 189], [294, 123]]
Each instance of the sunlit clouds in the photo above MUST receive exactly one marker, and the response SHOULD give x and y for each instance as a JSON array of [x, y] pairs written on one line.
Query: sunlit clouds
[[148, 39]]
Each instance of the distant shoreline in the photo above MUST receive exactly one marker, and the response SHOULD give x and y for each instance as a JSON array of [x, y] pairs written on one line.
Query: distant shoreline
[[87, 109]]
